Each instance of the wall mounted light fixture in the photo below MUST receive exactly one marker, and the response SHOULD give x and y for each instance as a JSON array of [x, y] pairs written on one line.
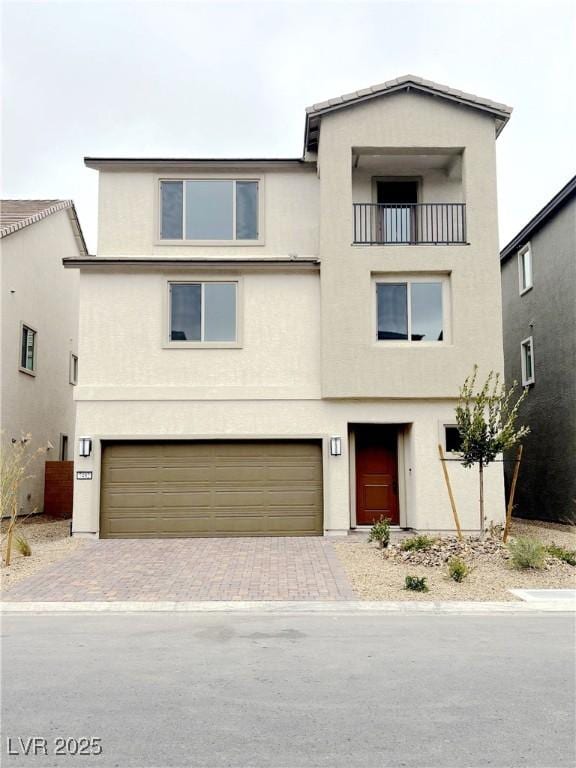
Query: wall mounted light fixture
[[335, 446], [84, 446]]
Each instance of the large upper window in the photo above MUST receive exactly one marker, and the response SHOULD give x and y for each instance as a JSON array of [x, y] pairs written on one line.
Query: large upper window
[[410, 311], [209, 209], [203, 312], [28, 349], [525, 269]]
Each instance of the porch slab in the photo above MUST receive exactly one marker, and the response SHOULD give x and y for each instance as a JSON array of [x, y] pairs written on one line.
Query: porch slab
[[189, 570]]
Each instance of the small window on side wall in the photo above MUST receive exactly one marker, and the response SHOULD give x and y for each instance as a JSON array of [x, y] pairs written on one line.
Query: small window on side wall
[[525, 269], [28, 349], [73, 368], [527, 361], [452, 439]]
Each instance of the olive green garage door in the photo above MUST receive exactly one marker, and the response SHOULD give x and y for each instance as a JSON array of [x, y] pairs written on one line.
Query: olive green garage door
[[240, 488]]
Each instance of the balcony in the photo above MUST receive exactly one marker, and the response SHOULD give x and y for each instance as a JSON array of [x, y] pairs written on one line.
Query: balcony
[[409, 224]]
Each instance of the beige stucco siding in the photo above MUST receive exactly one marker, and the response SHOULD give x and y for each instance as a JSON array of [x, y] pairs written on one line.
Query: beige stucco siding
[[353, 364], [424, 500], [123, 329], [40, 293], [128, 213]]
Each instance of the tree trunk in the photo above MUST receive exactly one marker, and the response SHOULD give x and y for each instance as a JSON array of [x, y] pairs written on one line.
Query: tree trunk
[[481, 475]]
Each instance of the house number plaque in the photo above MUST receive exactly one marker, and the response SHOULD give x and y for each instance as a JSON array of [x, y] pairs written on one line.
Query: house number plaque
[[83, 475]]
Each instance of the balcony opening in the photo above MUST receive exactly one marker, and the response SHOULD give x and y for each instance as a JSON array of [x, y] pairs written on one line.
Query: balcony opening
[[408, 198]]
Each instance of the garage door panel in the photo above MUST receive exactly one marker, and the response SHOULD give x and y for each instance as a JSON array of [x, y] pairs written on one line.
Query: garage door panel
[[236, 488]]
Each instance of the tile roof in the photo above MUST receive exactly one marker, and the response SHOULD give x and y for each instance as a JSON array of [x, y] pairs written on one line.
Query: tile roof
[[501, 112], [17, 214]]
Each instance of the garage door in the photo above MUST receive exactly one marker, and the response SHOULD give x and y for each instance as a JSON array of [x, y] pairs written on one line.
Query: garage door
[[241, 488]]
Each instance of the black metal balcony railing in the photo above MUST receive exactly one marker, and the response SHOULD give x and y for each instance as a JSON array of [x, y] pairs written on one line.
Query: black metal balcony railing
[[409, 223]]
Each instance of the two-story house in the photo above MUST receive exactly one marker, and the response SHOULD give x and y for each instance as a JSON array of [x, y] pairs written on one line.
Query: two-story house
[[275, 346], [39, 332], [539, 313]]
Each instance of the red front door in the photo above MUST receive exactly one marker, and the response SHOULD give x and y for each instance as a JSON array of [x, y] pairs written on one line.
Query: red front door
[[376, 474]]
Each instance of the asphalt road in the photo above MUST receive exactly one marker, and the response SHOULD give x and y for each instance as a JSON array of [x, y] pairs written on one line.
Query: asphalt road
[[297, 691]]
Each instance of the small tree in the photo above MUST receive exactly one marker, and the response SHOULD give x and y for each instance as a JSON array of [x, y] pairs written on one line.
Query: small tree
[[16, 459], [487, 424]]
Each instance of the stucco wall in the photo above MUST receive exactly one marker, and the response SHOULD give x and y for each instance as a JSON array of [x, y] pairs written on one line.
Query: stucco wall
[[424, 498], [123, 326], [353, 364], [128, 213], [547, 484], [39, 292]]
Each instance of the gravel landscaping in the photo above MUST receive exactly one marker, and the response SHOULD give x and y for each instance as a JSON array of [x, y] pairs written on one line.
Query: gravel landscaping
[[49, 540], [379, 574]]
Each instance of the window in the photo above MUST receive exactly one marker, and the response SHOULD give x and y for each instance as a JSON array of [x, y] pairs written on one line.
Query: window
[[209, 210], [525, 268], [63, 447], [410, 311], [452, 439], [527, 361], [203, 312], [28, 349], [73, 375]]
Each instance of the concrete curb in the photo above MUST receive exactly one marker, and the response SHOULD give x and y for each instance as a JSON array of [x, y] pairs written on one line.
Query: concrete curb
[[293, 607]]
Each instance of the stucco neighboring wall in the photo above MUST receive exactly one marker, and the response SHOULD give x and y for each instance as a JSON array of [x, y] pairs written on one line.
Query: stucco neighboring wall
[[547, 485], [128, 213], [39, 292], [353, 364]]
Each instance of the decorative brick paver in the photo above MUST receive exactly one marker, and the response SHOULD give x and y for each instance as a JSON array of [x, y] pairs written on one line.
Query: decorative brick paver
[[191, 569]]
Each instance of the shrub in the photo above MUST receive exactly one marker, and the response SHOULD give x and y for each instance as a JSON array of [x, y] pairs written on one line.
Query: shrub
[[22, 545], [380, 532], [417, 543], [527, 553], [457, 569], [416, 583], [561, 553]]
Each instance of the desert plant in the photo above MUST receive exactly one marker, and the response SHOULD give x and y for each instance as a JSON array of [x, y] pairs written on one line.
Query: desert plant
[[22, 545], [417, 543], [458, 569], [380, 532], [561, 553], [487, 424], [527, 553], [416, 583], [16, 460]]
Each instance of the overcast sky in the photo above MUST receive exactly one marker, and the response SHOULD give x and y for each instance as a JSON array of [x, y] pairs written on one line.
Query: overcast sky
[[140, 78]]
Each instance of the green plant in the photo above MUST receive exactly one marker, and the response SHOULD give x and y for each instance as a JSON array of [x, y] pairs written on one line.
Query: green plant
[[487, 424], [417, 543], [561, 553], [527, 553], [416, 583], [457, 569], [16, 461], [22, 545], [380, 532]]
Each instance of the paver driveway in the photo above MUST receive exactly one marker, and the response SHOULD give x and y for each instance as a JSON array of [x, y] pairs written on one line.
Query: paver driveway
[[192, 569]]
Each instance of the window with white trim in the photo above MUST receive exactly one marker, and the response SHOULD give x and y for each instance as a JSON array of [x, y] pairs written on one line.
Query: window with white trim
[[28, 349], [209, 210], [452, 438], [411, 310], [203, 312], [527, 361], [73, 374], [525, 268]]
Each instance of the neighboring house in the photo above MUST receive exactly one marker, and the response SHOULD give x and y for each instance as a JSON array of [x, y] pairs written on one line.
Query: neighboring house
[[39, 331], [539, 314], [275, 346]]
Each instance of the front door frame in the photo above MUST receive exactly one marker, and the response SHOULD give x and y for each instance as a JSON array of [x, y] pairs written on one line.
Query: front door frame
[[401, 448]]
